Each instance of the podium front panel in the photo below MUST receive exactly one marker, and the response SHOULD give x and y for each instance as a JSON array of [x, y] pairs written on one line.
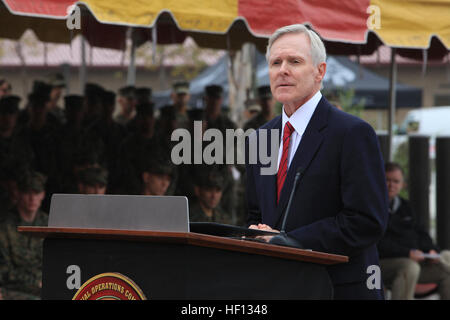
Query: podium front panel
[[180, 271]]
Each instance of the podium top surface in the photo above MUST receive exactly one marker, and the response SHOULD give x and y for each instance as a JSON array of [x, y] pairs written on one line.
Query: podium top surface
[[189, 238]]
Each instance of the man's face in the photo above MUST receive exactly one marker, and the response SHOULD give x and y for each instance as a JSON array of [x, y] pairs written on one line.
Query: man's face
[[213, 105], [55, 94], [92, 189], [294, 79], [209, 197], [30, 201], [126, 104], [156, 184], [180, 99], [5, 89], [394, 180], [39, 111]]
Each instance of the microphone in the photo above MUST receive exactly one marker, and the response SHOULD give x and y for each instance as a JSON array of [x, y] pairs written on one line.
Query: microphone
[[283, 239]]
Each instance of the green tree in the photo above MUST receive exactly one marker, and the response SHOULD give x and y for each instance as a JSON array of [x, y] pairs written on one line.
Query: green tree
[[189, 52], [345, 98]]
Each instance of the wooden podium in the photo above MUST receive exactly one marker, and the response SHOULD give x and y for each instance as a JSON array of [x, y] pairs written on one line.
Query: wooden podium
[[181, 265]]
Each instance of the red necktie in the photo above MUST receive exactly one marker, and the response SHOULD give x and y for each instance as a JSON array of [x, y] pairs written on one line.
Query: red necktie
[[282, 169]]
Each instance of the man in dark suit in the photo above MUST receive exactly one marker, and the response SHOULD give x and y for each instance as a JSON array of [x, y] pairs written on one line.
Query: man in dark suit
[[403, 247], [340, 205]]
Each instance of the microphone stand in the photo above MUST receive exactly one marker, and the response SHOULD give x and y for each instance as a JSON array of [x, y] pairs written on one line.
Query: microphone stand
[[283, 239]]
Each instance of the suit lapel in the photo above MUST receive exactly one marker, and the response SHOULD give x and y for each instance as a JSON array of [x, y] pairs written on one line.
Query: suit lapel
[[309, 145]]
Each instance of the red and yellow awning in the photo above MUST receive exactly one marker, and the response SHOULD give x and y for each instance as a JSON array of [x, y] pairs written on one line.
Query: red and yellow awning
[[229, 23]]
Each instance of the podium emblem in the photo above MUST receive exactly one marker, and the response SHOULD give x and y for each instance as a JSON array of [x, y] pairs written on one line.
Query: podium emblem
[[109, 286]]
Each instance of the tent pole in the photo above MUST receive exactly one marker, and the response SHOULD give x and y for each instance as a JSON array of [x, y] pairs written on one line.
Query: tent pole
[[392, 100], [82, 72], [131, 76]]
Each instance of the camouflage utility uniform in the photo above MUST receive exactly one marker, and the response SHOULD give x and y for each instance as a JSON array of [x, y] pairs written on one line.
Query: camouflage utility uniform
[[20, 258], [196, 214]]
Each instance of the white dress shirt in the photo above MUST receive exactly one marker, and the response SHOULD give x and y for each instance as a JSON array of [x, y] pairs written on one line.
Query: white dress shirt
[[299, 120]]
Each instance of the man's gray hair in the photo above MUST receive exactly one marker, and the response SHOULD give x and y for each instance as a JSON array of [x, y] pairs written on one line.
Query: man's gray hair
[[318, 52]]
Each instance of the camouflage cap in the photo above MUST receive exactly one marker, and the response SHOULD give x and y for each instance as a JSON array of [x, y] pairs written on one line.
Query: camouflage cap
[[41, 87], [31, 181], [209, 177], [143, 95], [252, 105], [181, 87], [73, 101], [40, 93], [92, 176], [56, 80], [37, 100], [214, 91], [127, 92], [145, 109], [93, 91], [9, 104], [159, 165], [264, 92]]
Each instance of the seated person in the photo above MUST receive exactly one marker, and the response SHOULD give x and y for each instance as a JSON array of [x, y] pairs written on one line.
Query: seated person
[[208, 187], [402, 247], [21, 255], [92, 180], [157, 176]]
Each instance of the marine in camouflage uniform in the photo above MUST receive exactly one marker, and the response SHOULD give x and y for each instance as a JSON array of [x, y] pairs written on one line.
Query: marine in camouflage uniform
[[41, 135], [139, 96], [174, 116], [93, 94], [58, 84], [21, 255], [110, 134], [132, 149], [267, 104], [159, 175], [127, 103], [180, 98], [92, 180], [15, 152], [12, 145], [208, 185], [70, 135], [216, 119]]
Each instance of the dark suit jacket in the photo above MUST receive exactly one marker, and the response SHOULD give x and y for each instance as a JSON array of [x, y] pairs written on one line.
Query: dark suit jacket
[[341, 203], [403, 234]]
